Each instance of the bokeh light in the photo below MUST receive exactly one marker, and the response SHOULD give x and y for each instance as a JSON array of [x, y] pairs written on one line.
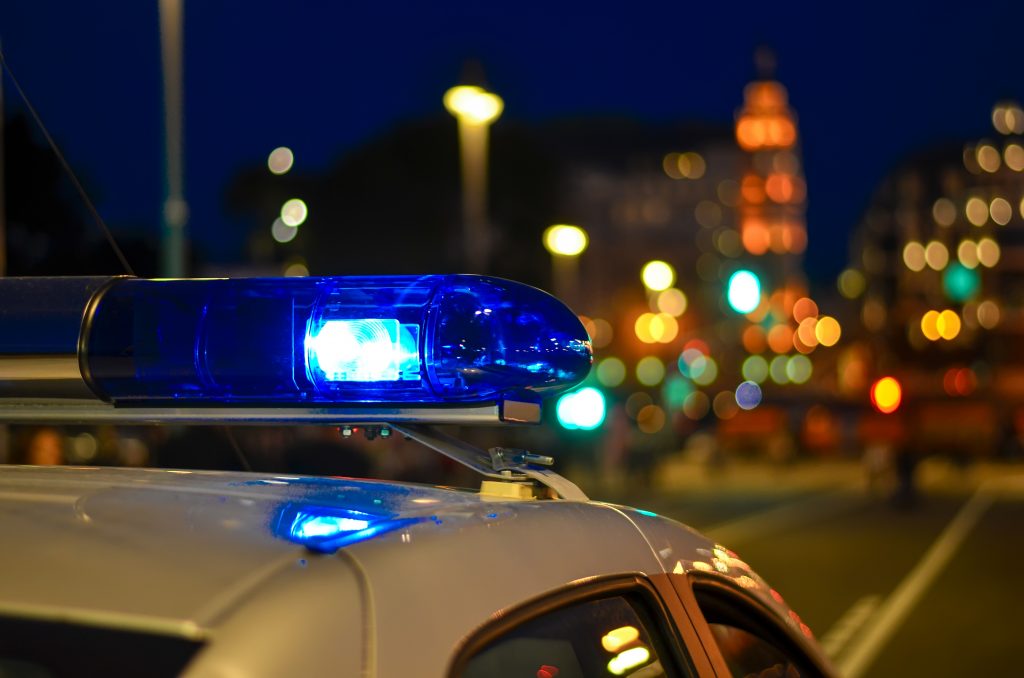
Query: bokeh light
[[565, 240], [886, 395], [657, 275], [650, 419], [755, 369], [583, 409], [650, 371], [611, 372], [799, 369], [827, 331], [282, 232], [294, 212], [696, 405], [744, 291], [748, 395], [671, 301], [280, 160]]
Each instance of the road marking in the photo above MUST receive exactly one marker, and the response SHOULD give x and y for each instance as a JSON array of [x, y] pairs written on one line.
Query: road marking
[[852, 620], [899, 604], [781, 518]]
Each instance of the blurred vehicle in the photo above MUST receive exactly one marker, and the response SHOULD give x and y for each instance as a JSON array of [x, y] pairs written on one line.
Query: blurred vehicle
[[206, 573]]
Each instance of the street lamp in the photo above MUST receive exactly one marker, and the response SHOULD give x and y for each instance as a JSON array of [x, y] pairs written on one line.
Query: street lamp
[[475, 109], [565, 243]]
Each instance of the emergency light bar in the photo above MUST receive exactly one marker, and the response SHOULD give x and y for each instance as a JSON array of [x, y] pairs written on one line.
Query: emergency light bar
[[343, 348]]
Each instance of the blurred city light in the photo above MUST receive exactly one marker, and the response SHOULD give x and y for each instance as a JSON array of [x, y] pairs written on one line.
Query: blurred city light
[[886, 394], [473, 105], [755, 369], [827, 331], [944, 212], [913, 256], [565, 240], [583, 409], [282, 232], [724, 405], [988, 314], [296, 269], [799, 369], [960, 282], [948, 325], [743, 291], [748, 395], [611, 372], [280, 160], [657, 275], [650, 371], [672, 301], [294, 212], [650, 419], [696, 405]]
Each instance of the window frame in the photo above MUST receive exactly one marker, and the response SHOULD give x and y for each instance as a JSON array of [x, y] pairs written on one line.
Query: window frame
[[670, 622], [757, 618]]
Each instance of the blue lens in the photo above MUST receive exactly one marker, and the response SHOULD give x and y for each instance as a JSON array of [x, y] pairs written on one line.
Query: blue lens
[[401, 339]]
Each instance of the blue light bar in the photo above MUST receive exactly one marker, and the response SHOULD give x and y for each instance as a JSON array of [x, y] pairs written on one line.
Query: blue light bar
[[452, 339]]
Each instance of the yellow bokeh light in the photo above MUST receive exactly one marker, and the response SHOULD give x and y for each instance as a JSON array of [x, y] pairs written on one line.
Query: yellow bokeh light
[[944, 212], [948, 325], [967, 253], [473, 105], [565, 240], [988, 314], [936, 255], [280, 160], [664, 328], [806, 332], [1013, 156], [1001, 211], [691, 165], [616, 639], [913, 256], [657, 275], [929, 326], [827, 331], [294, 212], [672, 301], [976, 211], [988, 158], [988, 252], [886, 394], [642, 327]]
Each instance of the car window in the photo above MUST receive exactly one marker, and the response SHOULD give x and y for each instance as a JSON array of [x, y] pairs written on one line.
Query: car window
[[43, 649], [751, 642], [607, 636]]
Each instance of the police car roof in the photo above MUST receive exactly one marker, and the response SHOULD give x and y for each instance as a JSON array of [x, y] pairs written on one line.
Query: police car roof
[[178, 552]]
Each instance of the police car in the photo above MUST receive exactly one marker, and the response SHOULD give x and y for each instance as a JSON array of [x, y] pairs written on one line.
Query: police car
[[108, 571]]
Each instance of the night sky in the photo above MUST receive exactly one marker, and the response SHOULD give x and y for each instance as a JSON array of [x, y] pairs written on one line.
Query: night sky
[[870, 83]]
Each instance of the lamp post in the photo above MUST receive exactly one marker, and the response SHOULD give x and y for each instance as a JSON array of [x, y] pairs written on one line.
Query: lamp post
[[565, 243], [475, 109]]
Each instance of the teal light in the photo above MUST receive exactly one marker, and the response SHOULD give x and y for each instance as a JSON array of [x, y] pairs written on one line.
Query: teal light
[[960, 283], [744, 291], [583, 409]]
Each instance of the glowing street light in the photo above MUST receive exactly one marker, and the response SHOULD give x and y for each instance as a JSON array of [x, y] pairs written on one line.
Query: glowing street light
[[475, 109], [565, 243]]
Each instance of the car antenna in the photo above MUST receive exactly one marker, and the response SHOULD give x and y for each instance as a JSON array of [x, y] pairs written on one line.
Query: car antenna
[[67, 168]]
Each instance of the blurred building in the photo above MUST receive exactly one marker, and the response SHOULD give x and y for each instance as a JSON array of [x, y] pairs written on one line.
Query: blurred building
[[938, 281]]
